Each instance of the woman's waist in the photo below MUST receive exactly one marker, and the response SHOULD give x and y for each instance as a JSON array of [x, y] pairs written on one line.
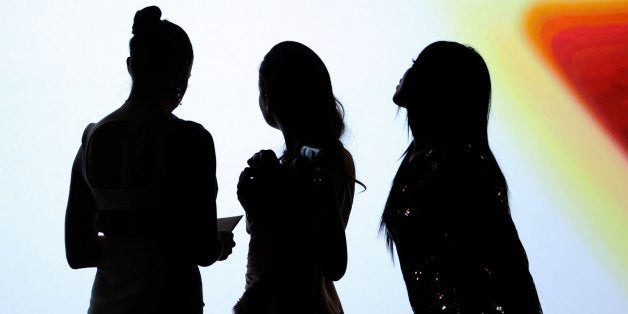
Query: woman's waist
[[262, 256], [148, 253], [145, 223]]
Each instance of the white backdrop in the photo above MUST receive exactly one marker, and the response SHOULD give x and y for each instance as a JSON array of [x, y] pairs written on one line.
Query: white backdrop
[[63, 66]]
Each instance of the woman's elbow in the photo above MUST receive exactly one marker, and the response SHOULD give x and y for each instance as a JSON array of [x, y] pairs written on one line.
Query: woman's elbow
[[336, 274], [335, 260], [84, 254], [75, 261], [206, 260], [76, 265], [336, 269]]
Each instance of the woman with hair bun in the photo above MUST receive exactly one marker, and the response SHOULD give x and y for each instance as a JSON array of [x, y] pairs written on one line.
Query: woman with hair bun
[[145, 179]]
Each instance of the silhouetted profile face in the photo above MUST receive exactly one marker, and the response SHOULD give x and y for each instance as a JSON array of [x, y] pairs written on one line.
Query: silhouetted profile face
[[447, 94], [269, 116], [399, 98], [296, 92]]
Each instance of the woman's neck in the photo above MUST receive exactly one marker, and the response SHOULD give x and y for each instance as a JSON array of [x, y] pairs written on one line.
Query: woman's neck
[[292, 138], [292, 142], [145, 96]]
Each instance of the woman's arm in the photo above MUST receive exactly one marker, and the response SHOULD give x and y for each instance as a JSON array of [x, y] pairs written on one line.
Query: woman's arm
[[331, 230], [331, 244], [197, 164], [83, 246]]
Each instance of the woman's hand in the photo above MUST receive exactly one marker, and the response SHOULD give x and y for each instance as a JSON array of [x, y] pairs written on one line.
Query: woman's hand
[[260, 184], [265, 159], [226, 240]]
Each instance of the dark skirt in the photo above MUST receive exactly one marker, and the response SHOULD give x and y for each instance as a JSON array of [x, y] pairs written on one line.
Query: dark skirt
[[143, 275]]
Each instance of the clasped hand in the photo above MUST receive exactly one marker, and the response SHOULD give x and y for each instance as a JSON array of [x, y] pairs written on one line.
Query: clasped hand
[[262, 184]]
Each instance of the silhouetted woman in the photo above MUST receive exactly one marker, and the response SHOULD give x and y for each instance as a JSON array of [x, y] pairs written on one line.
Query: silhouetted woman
[[297, 206], [447, 214], [146, 180]]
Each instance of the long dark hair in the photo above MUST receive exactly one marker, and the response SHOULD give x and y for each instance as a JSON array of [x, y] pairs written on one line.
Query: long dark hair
[[298, 88], [160, 52], [447, 94]]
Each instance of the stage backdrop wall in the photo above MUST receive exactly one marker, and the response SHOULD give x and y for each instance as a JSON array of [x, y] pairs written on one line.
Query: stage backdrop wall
[[558, 128]]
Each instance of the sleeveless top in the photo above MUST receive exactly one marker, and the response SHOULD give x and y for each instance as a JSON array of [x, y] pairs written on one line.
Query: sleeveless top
[[143, 268]]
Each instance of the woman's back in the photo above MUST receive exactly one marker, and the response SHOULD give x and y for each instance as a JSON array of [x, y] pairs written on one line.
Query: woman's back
[[133, 166], [142, 204], [131, 171]]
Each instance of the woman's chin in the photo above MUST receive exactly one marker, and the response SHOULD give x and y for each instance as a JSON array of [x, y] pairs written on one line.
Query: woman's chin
[[398, 100]]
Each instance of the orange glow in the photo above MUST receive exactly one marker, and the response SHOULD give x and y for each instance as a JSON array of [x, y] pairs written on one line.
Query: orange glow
[[587, 46]]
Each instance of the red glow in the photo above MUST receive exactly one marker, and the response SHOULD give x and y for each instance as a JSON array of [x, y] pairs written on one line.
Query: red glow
[[595, 60], [587, 44]]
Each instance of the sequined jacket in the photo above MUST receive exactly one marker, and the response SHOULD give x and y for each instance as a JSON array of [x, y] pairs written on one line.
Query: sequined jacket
[[448, 217]]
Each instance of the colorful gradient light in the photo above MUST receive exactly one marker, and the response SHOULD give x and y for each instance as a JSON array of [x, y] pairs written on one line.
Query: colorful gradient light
[[588, 45], [585, 44], [560, 74]]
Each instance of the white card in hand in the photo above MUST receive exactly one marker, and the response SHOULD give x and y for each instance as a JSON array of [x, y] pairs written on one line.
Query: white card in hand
[[227, 223]]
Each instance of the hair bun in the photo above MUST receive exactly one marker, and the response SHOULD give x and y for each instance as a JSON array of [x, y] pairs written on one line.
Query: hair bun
[[146, 20]]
